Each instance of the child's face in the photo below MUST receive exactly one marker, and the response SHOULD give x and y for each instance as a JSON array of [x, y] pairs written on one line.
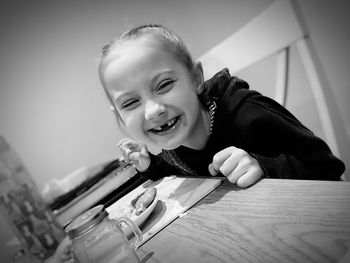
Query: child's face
[[155, 96]]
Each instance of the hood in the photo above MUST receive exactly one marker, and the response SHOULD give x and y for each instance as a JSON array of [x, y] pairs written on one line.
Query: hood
[[222, 86]]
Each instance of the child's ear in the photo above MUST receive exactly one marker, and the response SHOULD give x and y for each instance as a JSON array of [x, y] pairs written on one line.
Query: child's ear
[[198, 77]]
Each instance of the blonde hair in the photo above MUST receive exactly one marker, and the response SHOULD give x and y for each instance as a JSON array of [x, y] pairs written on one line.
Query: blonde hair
[[171, 42]]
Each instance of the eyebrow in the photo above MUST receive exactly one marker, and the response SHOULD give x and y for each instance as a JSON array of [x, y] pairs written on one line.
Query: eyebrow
[[165, 71], [119, 99]]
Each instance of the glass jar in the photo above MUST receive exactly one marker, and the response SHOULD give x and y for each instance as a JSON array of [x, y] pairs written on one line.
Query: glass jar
[[97, 238]]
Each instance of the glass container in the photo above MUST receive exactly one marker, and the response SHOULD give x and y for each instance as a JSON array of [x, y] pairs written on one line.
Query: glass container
[[97, 238]]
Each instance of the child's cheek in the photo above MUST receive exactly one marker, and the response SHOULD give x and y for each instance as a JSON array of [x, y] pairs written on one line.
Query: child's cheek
[[133, 122]]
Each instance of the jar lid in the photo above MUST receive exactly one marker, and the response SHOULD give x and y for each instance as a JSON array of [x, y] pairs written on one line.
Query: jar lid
[[86, 221]]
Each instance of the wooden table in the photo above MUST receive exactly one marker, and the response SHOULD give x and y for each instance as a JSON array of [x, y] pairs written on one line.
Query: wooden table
[[272, 221]]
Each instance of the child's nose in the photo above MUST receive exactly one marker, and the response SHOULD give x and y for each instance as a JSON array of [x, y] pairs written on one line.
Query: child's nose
[[154, 110]]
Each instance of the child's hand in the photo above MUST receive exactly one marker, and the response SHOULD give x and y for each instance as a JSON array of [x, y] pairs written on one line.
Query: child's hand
[[237, 165], [136, 153]]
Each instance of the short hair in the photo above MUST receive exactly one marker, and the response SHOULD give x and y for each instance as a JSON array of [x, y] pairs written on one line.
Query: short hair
[[159, 32], [170, 40]]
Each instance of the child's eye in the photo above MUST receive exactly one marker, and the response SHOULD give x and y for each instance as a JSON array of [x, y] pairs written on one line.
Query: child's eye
[[165, 85], [129, 104]]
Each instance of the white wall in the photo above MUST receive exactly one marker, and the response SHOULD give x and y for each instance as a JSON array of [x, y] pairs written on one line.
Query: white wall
[[52, 108]]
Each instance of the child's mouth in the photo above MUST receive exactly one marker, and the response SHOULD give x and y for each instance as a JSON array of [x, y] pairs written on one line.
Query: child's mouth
[[166, 126]]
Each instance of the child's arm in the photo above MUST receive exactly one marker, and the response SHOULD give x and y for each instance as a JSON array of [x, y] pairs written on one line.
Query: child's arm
[[284, 147]]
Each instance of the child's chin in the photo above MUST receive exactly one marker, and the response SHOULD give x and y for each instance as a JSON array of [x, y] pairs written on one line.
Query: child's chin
[[168, 142], [169, 145]]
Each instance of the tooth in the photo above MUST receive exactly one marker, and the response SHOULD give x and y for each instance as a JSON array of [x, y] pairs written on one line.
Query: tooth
[[165, 125]]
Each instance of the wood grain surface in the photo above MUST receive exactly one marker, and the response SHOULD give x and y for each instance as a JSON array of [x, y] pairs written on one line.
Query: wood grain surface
[[272, 221]]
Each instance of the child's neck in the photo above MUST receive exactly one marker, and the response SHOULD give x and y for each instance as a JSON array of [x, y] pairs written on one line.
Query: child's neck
[[201, 134]]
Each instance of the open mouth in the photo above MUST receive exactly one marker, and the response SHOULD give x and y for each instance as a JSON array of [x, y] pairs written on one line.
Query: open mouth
[[166, 126]]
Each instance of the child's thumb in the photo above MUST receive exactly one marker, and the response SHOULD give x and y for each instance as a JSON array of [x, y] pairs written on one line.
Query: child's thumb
[[212, 171], [140, 161], [144, 149], [135, 156]]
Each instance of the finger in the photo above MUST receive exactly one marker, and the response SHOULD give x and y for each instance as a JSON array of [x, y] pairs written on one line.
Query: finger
[[122, 148], [239, 171], [144, 149], [126, 154], [212, 171], [129, 147], [249, 178], [221, 156], [230, 163], [134, 147], [127, 143], [135, 158], [123, 141]]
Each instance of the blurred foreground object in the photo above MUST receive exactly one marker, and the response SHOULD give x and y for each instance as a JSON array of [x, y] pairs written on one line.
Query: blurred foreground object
[[24, 209]]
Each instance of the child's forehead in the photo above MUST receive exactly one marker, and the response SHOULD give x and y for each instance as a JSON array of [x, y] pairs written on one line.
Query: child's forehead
[[141, 55], [140, 45], [140, 64], [138, 53]]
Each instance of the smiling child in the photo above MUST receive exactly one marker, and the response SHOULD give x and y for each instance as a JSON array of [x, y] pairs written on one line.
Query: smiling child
[[207, 127]]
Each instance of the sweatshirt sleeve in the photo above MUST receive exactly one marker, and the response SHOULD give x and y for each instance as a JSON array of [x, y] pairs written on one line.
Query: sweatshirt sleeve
[[283, 146]]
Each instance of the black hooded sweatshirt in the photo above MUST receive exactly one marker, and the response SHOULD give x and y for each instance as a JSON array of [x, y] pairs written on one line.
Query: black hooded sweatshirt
[[283, 147]]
